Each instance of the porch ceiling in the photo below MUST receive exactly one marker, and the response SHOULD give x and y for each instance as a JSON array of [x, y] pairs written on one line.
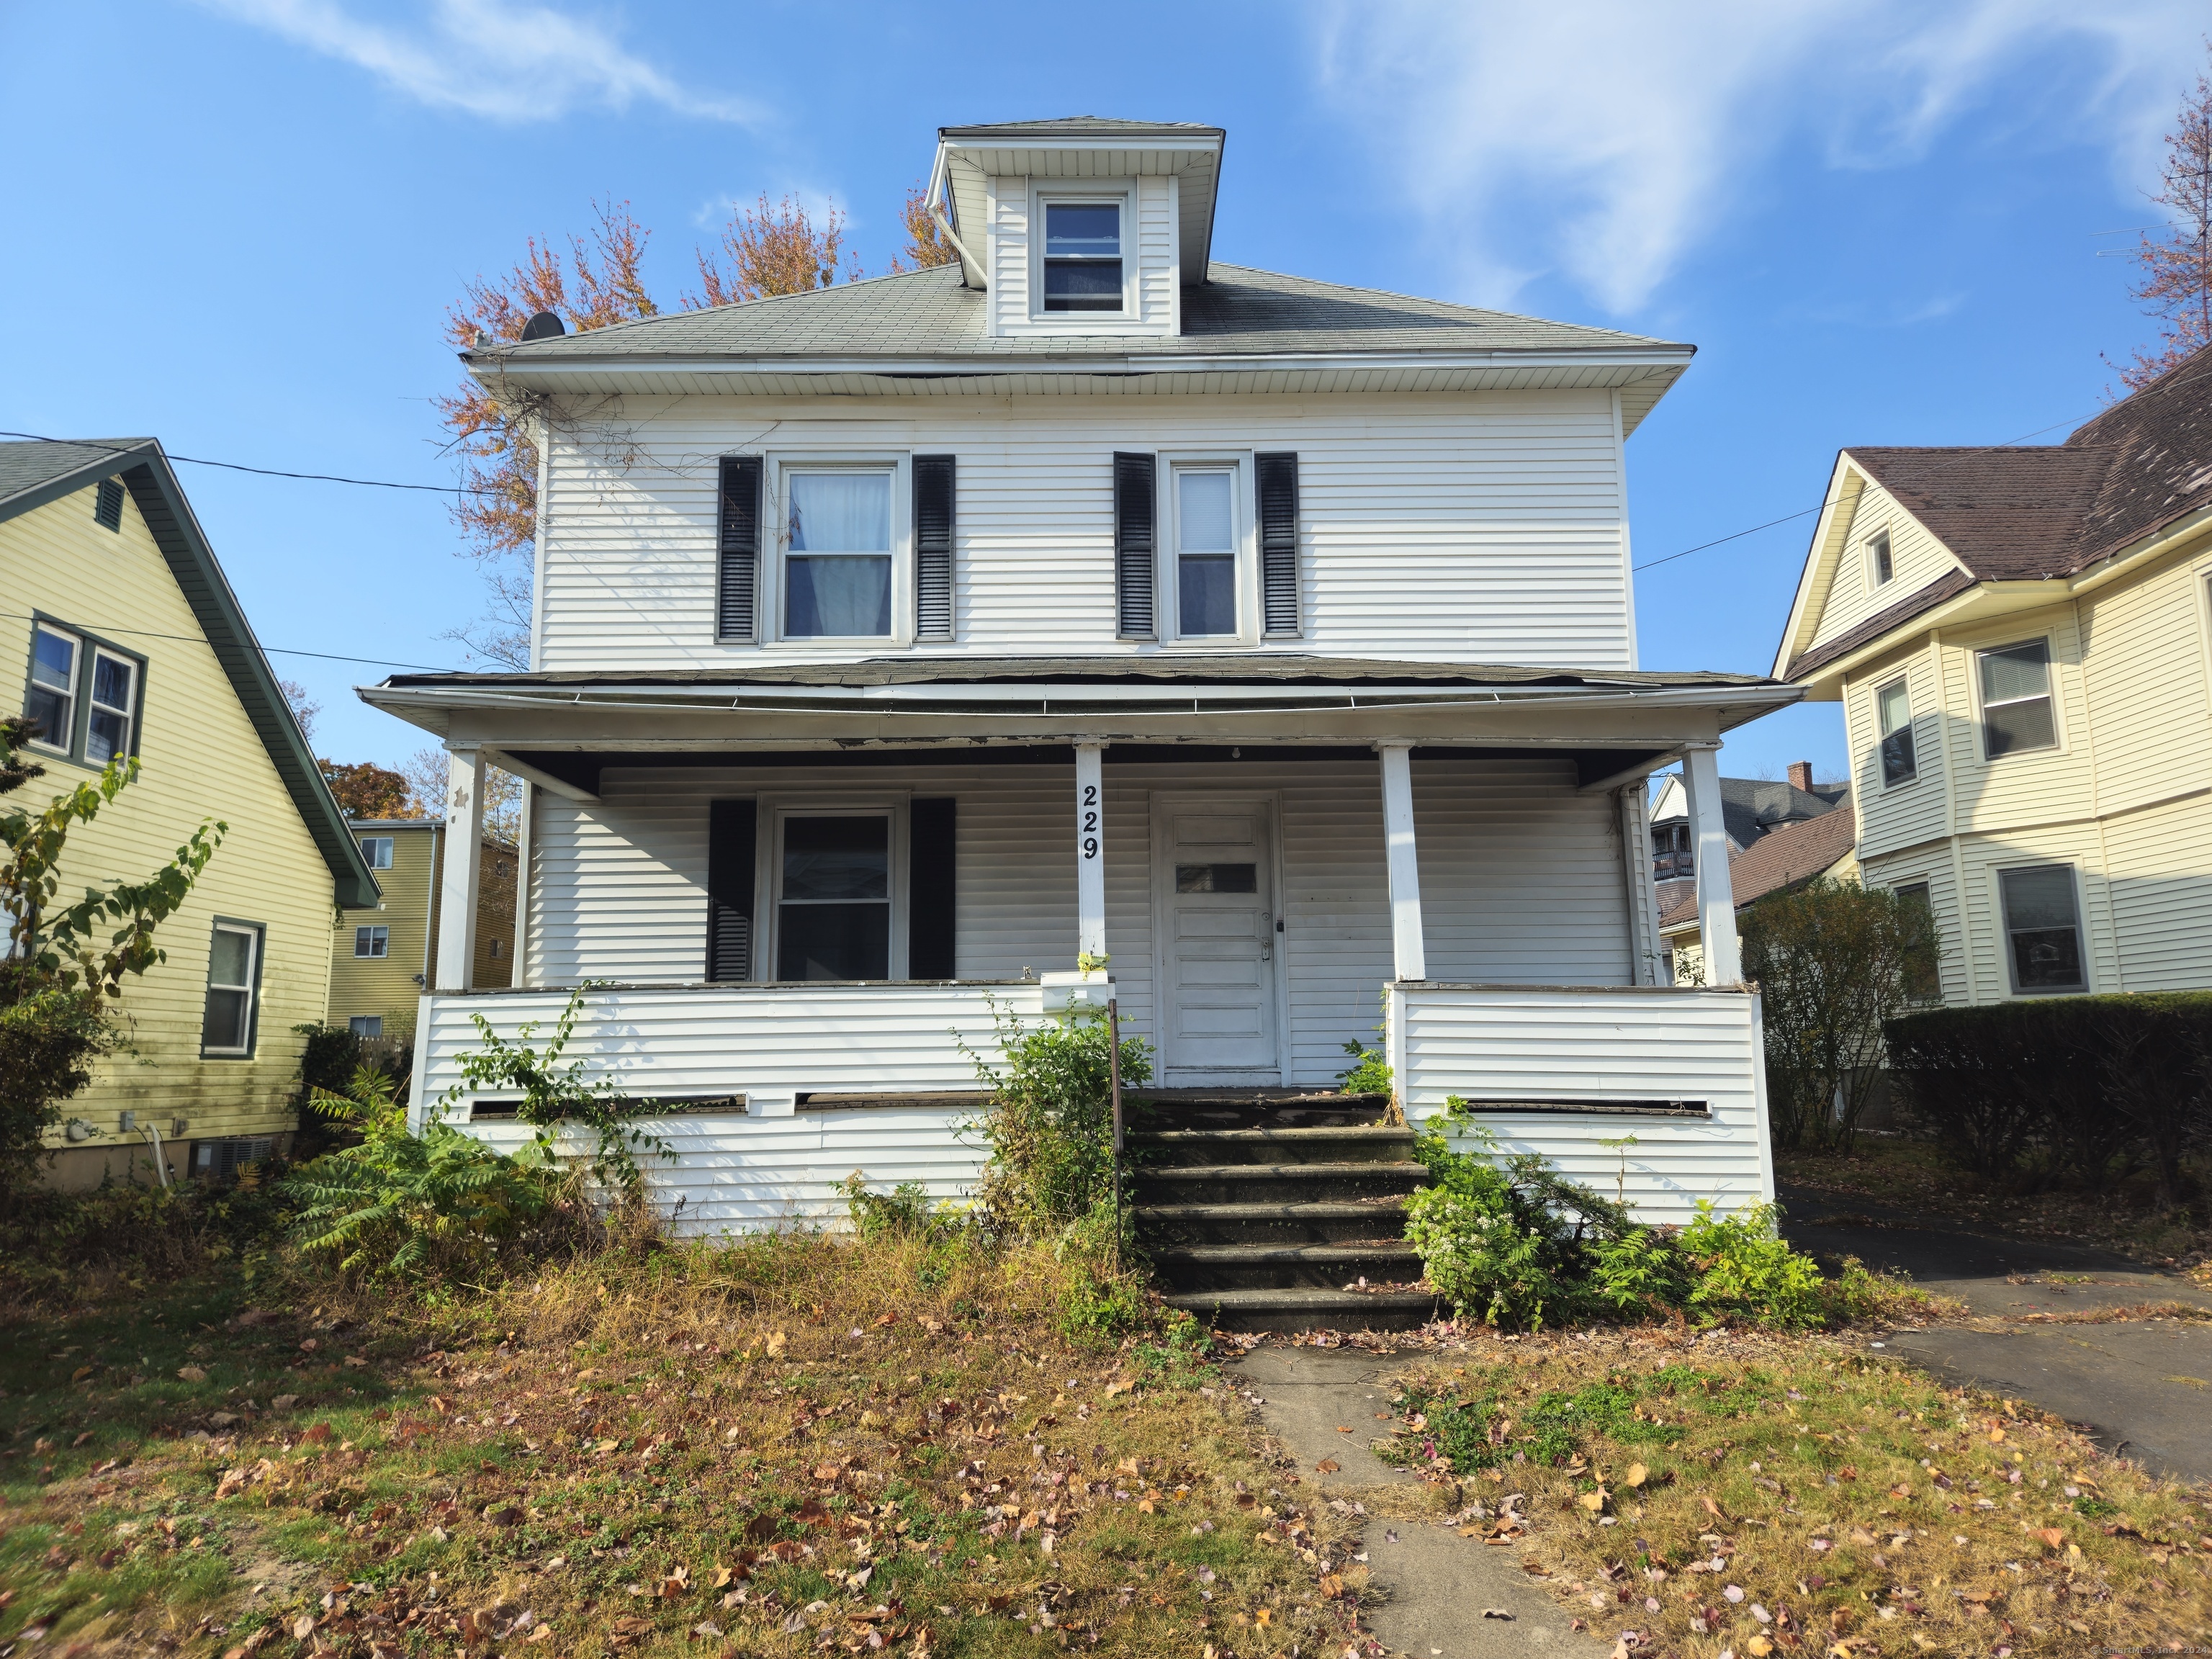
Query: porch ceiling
[[581, 769]]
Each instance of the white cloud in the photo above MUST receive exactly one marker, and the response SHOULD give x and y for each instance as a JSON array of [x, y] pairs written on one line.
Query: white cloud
[[502, 61], [1602, 138]]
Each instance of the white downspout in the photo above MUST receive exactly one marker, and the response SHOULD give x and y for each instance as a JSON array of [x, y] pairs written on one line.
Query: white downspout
[[935, 203]]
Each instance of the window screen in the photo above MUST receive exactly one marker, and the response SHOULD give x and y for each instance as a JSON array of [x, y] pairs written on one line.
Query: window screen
[[2043, 927], [2016, 711]]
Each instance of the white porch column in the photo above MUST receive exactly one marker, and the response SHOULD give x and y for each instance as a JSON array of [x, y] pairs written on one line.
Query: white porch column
[[1643, 890], [1408, 954], [1701, 782], [521, 945], [1090, 851], [457, 893]]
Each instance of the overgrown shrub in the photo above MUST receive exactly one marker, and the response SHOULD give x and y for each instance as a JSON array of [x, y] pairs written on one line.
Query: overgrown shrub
[[1507, 1239], [2084, 1091], [1049, 1123]]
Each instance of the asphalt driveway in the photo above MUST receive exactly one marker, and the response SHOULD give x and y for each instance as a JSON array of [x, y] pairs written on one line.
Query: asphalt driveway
[[2067, 1328]]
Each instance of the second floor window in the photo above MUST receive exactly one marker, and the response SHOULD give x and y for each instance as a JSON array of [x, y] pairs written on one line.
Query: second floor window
[[1206, 552], [51, 701], [2016, 712], [1083, 256], [83, 697], [108, 726], [372, 942], [1670, 852], [1893, 714], [377, 851], [837, 571]]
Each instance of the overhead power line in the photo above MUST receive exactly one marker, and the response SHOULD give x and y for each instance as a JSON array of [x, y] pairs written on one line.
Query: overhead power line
[[263, 471]]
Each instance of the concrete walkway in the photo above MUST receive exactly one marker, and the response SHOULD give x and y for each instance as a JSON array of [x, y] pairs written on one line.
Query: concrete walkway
[[2143, 1386], [1439, 1584]]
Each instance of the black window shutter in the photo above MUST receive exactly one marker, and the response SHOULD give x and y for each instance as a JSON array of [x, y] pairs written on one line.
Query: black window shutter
[[739, 549], [731, 834], [1279, 541], [933, 496], [930, 911], [1134, 507]]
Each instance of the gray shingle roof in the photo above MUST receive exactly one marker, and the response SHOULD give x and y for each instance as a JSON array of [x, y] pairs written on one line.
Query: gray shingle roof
[[25, 467], [929, 314]]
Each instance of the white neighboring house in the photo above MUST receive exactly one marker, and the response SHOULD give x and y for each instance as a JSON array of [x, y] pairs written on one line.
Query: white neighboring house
[[902, 646]]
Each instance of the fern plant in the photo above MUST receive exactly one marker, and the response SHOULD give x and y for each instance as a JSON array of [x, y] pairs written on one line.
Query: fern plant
[[407, 1206]]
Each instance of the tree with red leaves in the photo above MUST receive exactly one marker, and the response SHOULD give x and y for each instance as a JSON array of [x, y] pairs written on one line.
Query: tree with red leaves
[[2174, 267]]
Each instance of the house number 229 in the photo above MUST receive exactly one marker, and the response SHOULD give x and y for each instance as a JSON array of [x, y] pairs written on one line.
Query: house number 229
[[1089, 818]]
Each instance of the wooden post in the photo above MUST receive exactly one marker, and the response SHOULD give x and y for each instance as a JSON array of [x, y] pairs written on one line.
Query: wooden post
[[1090, 852], [457, 903], [1701, 782], [1408, 950], [1114, 1072]]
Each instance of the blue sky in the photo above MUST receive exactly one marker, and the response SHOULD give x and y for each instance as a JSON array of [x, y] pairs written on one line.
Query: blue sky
[[237, 225]]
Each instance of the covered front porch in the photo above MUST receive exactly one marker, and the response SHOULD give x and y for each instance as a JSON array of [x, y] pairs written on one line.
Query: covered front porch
[[798, 904]]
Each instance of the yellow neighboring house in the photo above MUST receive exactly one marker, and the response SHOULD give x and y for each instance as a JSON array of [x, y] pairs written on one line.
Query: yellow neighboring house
[[380, 962], [2022, 641], [126, 640]]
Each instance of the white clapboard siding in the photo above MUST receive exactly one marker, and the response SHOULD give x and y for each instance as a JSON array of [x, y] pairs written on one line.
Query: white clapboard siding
[[1503, 511], [1521, 877], [1917, 558], [1897, 816], [1494, 1042]]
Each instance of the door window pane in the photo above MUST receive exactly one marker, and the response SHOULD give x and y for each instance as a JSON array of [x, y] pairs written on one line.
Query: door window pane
[[2043, 929], [1894, 707], [1082, 256], [107, 732], [228, 1026], [2016, 711], [1217, 878], [838, 576], [833, 913], [52, 702]]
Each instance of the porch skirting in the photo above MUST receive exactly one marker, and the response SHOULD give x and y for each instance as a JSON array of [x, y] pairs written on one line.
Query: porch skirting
[[777, 1163]]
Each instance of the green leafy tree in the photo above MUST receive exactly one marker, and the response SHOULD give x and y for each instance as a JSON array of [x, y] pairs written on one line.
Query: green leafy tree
[[67, 961], [1833, 961]]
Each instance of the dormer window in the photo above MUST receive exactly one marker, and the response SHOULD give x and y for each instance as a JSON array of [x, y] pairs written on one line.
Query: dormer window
[[1083, 256]]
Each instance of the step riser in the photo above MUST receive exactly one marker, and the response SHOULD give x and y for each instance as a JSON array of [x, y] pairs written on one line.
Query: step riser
[[1192, 1278], [1147, 1154], [1380, 1319], [1355, 1230], [1263, 1187]]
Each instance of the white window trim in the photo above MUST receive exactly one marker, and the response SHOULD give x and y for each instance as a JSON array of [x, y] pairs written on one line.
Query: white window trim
[[2088, 985], [367, 843], [1128, 319], [91, 704], [1974, 654], [1167, 586], [371, 928], [80, 650], [1903, 678], [768, 898], [256, 937], [769, 597], [1874, 579]]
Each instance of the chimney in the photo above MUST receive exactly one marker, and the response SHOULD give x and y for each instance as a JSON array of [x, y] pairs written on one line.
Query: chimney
[[1801, 775]]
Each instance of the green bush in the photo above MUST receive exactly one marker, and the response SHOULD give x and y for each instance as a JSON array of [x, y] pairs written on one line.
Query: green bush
[[1049, 1124], [2085, 1090], [1508, 1240]]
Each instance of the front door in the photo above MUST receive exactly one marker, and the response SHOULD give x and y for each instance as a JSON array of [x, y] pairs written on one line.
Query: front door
[[1215, 879]]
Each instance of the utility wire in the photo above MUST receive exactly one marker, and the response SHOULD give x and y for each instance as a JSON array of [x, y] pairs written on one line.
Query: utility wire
[[274, 650], [263, 471]]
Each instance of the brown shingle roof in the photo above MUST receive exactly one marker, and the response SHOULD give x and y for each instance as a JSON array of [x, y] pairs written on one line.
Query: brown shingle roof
[[2033, 514], [1778, 860]]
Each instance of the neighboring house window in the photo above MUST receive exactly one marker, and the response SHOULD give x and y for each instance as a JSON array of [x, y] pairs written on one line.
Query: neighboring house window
[[2043, 929], [2016, 711], [372, 942], [833, 898], [837, 571], [88, 711], [234, 983], [377, 850], [494, 950], [1083, 256], [1878, 559], [366, 1025], [1671, 857], [50, 700], [114, 698], [1894, 713], [1206, 552], [107, 504]]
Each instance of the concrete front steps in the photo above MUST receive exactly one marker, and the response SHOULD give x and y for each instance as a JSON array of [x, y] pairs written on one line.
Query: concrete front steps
[[1266, 1226]]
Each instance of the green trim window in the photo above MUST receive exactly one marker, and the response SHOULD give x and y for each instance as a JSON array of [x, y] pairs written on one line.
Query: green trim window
[[85, 695], [229, 1025]]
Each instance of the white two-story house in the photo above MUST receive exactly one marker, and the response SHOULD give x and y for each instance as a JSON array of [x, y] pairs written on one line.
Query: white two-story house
[[1087, 616]]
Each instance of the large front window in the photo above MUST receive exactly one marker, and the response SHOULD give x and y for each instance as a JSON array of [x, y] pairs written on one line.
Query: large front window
[[1206, 552], [833, 898], [837, 570], [1083, 256], [2043, 929]]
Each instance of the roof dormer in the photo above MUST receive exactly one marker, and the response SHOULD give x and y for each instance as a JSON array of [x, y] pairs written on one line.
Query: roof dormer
[[1083, 226]]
